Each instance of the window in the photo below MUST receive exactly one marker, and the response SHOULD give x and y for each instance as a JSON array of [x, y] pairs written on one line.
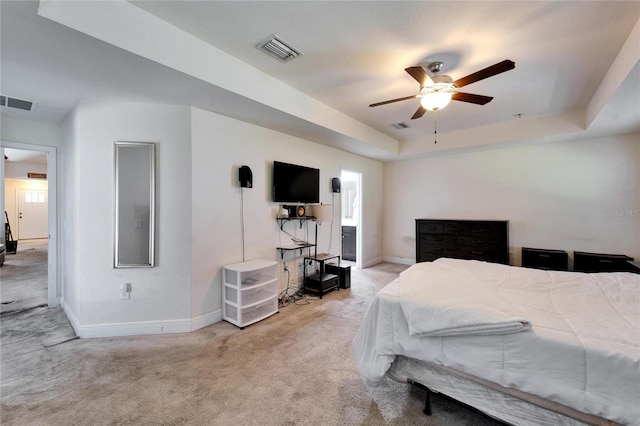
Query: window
[[34, 197]]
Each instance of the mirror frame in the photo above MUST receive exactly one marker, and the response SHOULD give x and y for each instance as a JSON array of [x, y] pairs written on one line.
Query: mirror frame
[[119, 148]]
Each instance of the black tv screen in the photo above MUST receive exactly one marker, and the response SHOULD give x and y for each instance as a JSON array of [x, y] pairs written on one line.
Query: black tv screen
[[295, 184]]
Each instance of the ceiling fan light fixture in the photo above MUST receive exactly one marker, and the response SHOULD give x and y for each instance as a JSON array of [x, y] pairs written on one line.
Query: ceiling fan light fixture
[[437, 96], [438, 90], [435, 101]]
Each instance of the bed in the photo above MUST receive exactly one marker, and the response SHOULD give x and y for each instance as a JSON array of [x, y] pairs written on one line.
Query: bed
[[525, 346]]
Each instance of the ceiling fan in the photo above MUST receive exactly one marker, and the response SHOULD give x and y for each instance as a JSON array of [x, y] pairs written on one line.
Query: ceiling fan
[[437, 91]]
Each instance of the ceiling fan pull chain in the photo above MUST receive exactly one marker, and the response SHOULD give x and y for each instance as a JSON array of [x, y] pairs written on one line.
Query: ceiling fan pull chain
[[435, 127]]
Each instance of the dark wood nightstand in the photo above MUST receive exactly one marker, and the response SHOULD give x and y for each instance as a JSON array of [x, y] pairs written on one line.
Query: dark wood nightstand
[[557, 260], [600, 262], [635, 266]]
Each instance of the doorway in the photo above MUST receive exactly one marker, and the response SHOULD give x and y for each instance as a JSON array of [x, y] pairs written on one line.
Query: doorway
[[37, 196], [351, 206], [32, 213]]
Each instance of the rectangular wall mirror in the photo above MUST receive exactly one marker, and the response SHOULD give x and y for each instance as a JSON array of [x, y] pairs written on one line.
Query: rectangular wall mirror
[[135, 188]]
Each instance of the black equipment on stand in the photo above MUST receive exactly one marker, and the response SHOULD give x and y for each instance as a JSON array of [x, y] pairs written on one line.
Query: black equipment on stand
[[10, 243]]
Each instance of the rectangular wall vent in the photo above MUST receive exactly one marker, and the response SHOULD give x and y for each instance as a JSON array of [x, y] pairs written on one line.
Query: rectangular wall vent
[[278, 48], [400, 126], [16, 103]]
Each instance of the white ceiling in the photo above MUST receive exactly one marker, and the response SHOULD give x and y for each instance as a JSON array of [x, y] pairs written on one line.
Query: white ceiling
[[354, 54], [25, 156]]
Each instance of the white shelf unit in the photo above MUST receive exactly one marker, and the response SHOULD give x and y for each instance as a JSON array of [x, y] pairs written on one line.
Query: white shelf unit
[[249, 291]]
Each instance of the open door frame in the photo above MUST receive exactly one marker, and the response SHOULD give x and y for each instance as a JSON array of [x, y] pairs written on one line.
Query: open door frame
[[359, 227], [52, 215]]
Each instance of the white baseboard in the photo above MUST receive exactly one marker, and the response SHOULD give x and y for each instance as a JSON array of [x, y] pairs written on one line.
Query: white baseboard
[[141, 327], [134, 328], [206, 320], [400, 260], [70, 316], [370, 262]]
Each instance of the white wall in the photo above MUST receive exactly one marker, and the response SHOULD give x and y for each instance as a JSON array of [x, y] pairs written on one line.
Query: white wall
[[198, 212], [21, 170], [69, 217], [579, 195], [220, 146], [161, 296], [30, 132]]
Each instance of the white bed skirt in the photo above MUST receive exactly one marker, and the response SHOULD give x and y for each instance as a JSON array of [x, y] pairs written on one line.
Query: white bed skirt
[[508, 405]]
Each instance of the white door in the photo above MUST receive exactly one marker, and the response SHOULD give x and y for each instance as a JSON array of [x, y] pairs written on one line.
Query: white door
[[32, 214]]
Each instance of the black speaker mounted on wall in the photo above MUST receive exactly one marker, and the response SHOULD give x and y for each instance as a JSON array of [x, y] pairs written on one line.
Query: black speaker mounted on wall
[[335, 185], [245, 177]]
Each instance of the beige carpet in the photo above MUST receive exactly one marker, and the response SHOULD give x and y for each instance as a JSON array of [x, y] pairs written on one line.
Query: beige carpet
[[295, 368]]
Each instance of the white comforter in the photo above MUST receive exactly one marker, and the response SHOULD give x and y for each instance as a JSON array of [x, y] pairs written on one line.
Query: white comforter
[[465, 304], [583, 349]]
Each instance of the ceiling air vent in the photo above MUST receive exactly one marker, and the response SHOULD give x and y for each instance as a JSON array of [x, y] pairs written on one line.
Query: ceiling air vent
[[278, 48], [16, 103], [400, 126]]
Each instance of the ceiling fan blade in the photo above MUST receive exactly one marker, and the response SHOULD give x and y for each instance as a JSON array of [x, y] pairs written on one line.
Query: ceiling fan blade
[[498, 68], [471, 98], [393, 100], [419, 112], [420, 75]]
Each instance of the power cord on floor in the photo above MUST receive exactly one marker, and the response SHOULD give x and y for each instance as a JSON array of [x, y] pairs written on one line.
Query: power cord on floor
[[291, 294]]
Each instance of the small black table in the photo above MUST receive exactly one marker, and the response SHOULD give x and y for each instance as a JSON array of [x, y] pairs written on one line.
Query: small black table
[[321, 282]]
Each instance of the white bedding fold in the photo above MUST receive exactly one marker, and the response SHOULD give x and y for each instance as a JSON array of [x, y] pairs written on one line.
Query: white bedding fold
[[465, 304]]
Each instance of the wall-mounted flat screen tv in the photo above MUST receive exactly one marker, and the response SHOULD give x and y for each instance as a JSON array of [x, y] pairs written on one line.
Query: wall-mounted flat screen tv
[[295, 184]]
